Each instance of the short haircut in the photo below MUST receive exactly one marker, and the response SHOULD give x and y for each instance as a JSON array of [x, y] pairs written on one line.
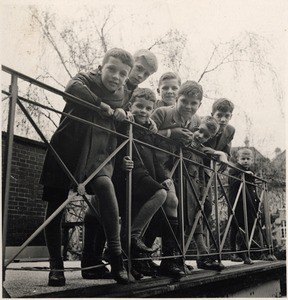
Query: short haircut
[[246, 151], [211, 124], [149, 56], [145, 93], [191, 88], [121, 54], [223, 105], [169, 75]]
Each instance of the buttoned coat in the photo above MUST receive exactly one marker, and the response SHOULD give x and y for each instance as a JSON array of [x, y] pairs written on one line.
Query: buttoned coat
[[167, 118], [82, 147]]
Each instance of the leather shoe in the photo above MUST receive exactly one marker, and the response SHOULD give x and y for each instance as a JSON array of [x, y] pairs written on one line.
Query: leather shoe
[[248, 261], [137, 246], [99, 272], [56, 275], [209, 263], [144, 268], [134, 272], [56, 278], [118, 271], [170, 268], [236, 258]]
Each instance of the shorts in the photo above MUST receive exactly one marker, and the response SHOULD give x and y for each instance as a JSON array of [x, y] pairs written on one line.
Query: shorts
[[145, 188]]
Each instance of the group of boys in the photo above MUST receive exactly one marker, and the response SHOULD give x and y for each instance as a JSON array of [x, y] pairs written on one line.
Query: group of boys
[[154, 212]]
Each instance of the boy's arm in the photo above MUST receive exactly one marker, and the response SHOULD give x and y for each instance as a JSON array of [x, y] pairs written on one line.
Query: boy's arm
[[227, 147], [158, 116], [79, 86], [220, 155]]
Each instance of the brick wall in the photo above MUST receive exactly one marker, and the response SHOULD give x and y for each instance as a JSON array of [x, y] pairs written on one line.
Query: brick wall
[[26, 209]]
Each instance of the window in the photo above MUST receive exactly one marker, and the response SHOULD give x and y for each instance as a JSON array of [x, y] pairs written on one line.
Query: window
[[283, 229]]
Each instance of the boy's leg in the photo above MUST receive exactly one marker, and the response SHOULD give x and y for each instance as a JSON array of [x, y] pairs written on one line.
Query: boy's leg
[[144, 215], [53, 234], [206, 261], [243, 246], [170, 266], [94, 241], [146, 212], [233, 238], [104, 190]]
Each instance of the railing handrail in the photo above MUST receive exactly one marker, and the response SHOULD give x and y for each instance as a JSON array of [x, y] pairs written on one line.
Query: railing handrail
[[92, 106]]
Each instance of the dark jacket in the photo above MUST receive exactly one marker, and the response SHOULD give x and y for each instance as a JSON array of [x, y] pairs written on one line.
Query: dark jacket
[[145, 163], [222, 142], [252, 199], [144, 158], [80, 146]]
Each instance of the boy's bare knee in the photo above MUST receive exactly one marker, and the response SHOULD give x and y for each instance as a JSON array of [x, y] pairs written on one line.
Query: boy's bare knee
[[161, 194], [103, 182], [171, 201]]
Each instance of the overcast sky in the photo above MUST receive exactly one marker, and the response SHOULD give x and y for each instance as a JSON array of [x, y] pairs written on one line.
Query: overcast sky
[[205, 22]]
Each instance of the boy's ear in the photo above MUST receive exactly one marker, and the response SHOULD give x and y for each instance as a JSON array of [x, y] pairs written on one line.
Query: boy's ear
[[129, 106]]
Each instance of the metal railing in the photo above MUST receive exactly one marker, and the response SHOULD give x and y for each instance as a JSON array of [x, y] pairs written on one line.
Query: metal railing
[[215, 183]]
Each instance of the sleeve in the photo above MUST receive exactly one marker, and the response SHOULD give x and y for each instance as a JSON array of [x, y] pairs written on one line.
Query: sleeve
[[80, 86], [227, 148], [158, 116], [159, 170], [207, 150]]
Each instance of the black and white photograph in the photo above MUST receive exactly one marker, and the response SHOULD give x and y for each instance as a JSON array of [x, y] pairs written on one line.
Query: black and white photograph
[[103, 101]]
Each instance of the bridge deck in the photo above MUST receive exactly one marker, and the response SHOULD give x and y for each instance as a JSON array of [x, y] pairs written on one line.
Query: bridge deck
[[202, 283]]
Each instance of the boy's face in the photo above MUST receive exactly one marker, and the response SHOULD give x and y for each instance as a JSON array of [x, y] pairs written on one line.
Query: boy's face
[[187, 106], [142, 110], [168, 91], [140, 71], [114, 74], [222, 118], [245, 160], [202, 134]]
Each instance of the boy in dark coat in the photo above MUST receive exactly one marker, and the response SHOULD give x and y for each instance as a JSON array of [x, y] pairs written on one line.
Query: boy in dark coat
[[149, 182], [244, 161], [207, 129], [178, 123], [145, 64], [222, 110], [83, 148]]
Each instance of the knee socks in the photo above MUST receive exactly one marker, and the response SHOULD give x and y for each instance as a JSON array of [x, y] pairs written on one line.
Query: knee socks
[[145, 214]]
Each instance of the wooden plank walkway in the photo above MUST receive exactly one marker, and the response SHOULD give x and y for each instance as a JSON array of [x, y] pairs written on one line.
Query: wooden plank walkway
[[201, 283]]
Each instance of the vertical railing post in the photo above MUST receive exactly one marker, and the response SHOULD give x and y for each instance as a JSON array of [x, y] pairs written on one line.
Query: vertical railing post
[[7, 164], [267, 220], [129, 202], [245, 214], [217, 208], [181, 205]]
